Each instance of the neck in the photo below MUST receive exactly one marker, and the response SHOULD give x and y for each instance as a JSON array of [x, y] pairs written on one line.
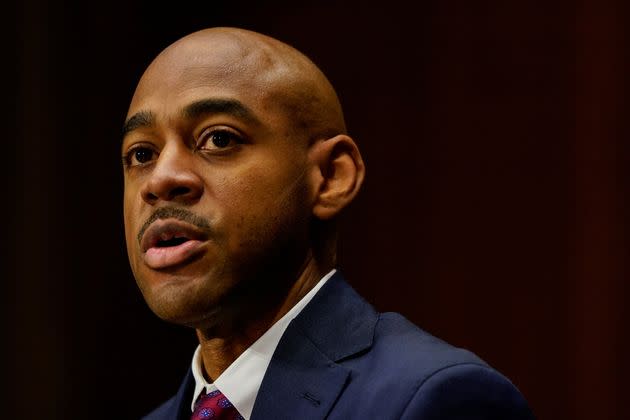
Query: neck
[[222, 345]]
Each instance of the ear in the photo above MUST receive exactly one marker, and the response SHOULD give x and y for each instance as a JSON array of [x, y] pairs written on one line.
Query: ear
[[338, 174]]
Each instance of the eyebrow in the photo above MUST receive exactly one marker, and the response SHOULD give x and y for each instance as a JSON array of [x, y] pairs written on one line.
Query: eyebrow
[[138, 120], [194, 110]]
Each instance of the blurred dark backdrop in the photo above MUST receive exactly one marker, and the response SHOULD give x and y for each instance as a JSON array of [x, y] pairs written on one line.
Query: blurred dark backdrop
[[494, 213]]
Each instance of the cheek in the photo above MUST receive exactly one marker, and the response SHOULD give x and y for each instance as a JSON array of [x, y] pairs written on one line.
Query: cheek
[[261, 208], [130, 216], [244, 201]]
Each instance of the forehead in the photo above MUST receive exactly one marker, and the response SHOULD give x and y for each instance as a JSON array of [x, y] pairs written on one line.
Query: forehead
[[197, 70]]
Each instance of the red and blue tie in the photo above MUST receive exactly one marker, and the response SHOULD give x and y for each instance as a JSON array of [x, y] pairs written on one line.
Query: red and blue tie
[[215, 406]]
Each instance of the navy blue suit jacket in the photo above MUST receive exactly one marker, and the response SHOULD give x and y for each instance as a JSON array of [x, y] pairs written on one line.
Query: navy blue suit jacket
[[340, 359]]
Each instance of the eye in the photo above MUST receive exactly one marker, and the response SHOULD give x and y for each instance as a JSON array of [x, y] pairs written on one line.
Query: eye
[[143, 155], [139, 156], [219, 139]]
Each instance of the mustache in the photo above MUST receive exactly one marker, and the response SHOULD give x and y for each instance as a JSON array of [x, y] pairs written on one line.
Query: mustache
[[174, 213]]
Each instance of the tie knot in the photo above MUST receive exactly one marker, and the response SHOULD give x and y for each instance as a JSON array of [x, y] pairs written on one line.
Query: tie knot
[[214, 405]]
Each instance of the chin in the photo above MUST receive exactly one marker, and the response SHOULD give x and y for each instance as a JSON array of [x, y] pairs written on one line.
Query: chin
[[182, 310], [183, 300]]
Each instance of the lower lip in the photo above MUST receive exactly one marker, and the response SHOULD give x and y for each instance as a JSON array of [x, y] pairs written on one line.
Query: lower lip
[[159, 258]]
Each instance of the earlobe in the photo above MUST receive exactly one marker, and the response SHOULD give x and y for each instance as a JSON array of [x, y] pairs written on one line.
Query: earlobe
[[340, 174]]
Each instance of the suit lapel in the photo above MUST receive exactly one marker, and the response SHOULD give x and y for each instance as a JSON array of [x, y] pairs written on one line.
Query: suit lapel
[[180, 409], [300, 379], [304, 379]]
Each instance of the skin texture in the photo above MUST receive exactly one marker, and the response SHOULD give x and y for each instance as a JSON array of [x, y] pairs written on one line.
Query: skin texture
[[241, 138]]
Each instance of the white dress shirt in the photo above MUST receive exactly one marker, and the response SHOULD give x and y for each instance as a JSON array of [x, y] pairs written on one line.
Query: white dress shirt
[[241, 381]]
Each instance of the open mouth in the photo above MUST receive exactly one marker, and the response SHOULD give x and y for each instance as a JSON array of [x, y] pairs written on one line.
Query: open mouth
[[170, 233], [164, 243], [167, 243]]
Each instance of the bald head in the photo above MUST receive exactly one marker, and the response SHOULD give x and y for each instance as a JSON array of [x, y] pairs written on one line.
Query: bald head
[[238, 59]]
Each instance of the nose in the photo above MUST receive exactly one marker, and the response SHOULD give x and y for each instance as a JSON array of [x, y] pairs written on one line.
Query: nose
[[173, 178]]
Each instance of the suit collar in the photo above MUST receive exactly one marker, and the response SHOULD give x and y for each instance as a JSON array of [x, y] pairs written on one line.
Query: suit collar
[[338, 321], [303, 379]]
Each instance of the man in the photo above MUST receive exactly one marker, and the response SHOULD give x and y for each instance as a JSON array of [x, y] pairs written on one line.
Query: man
[[237, 164]]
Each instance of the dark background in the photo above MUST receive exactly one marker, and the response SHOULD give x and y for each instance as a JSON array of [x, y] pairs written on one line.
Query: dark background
[[494, 212]]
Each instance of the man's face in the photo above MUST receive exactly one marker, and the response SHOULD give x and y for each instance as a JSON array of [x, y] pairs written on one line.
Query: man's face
[[215, 183]]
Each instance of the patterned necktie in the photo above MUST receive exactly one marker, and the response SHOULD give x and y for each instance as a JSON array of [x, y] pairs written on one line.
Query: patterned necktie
[[215, 406]]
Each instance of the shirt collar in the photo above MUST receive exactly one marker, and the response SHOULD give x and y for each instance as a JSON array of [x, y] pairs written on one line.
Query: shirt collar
[[241, 381]]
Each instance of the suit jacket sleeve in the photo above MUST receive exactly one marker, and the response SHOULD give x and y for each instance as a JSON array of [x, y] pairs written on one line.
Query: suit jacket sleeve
[[467, 391]]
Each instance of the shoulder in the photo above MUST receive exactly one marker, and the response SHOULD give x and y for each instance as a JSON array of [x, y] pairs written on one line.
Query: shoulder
[[467, 391], [404, 348], [427, 378]]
